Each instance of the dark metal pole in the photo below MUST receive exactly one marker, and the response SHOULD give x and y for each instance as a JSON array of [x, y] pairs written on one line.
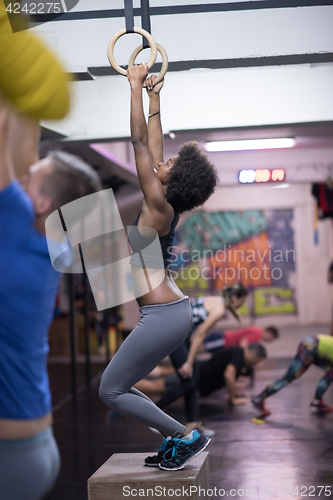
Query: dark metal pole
[[107, 340], [104, 255], [72, 334], [86, 327], [86, 316]]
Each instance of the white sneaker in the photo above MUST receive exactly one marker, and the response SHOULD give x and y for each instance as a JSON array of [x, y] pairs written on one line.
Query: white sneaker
[[204, 431]]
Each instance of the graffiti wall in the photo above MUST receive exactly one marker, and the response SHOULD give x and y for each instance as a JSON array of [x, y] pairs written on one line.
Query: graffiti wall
[[255, 247]]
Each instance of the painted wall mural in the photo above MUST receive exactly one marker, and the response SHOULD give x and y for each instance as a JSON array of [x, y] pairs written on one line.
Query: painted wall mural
[[255, 247]]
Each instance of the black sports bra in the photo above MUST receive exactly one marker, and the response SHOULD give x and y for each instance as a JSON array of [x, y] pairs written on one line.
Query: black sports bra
[[146, 253]]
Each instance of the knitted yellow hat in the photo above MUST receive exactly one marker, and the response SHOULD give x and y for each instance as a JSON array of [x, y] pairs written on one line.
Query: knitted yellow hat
[[30, 75]]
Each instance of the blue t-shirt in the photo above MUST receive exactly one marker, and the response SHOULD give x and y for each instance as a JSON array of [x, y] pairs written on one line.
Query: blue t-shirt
[[28, 288]]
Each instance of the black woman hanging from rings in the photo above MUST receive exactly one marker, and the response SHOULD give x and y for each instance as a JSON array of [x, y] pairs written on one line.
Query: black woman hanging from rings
[[182, 183]]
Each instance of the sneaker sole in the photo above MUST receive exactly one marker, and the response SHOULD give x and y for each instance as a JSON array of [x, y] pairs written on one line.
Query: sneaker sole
[[152, 465], [189, 459]]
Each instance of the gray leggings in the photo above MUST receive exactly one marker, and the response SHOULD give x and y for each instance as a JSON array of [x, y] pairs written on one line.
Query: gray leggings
[[162, 328], [28, 467]]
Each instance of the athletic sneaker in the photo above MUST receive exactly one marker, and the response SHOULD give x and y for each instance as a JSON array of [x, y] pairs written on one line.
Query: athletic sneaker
[[259, 405], [320, 407], [154, 460], [204, 431], [182, 451]]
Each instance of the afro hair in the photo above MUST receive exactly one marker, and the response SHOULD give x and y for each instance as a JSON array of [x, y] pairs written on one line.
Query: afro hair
[[192, 180]]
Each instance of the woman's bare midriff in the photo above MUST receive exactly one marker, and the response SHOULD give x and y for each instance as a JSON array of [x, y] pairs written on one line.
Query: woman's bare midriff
[[23, 429], [164, 293]]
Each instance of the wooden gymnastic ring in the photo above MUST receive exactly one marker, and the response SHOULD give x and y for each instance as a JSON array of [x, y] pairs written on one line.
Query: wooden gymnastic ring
[[122, 32], [164, 55]]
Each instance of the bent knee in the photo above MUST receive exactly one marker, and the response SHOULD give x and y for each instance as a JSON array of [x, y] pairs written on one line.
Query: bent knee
[[108, 394]]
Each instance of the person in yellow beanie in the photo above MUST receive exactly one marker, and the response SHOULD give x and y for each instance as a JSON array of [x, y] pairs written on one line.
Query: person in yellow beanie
[[31, 77]]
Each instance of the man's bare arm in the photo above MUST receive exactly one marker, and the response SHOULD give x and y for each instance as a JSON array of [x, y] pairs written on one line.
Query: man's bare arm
[[19, 144], [24, 138], [230, 384], [6, 169]]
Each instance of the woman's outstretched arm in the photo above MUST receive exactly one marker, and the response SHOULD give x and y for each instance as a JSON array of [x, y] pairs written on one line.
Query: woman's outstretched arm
[[150, 184], [198, 337], [155, 133]]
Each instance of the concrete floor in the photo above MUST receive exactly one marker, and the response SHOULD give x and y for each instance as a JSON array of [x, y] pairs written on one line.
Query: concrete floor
[[293, 449]]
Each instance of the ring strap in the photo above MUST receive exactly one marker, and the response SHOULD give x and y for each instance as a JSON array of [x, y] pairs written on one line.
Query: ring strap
[[145, 21], [129, 16]]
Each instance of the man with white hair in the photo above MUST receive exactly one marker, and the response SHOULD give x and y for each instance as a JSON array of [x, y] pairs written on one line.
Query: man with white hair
[[29, 457]]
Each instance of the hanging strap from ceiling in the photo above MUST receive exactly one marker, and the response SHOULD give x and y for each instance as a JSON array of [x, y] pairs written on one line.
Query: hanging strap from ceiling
[[145, 18], [129, 16], [145, 21]]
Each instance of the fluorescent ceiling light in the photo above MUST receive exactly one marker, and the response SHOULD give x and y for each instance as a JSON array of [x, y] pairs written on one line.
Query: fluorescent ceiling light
[[245, 145]]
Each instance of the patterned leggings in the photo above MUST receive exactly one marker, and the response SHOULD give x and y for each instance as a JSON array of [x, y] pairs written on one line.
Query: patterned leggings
[[306, 356]]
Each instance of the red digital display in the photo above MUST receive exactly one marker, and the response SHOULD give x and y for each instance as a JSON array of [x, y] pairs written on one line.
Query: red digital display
[[261, 175]]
